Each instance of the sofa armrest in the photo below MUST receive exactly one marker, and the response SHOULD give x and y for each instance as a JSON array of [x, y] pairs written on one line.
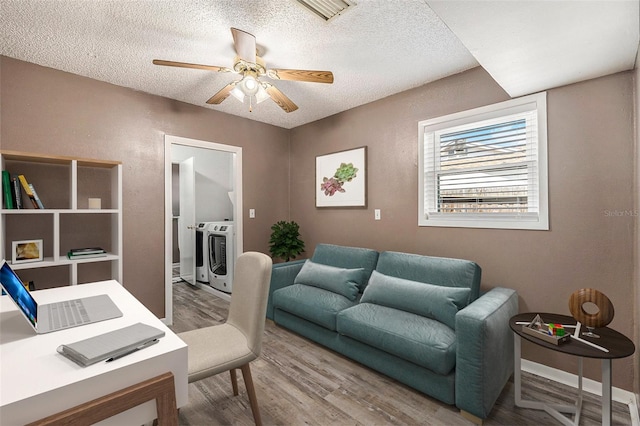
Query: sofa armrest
[[484, 354], [282, 275]]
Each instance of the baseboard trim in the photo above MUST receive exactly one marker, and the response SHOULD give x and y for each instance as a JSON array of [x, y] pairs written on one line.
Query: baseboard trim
[[220, 294], [588, 385]]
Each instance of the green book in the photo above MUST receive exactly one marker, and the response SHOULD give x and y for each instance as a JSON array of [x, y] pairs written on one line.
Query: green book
[[7, 190]]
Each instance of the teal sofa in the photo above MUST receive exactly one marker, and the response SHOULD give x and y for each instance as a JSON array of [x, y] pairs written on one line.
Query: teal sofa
[[418, 319]]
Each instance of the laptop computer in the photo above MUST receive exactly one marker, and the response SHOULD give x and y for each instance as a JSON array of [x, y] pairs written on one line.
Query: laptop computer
[[56, 316]]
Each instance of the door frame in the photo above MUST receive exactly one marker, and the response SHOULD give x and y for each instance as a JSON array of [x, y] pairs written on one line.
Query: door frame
[[170, 140], [187, 219]]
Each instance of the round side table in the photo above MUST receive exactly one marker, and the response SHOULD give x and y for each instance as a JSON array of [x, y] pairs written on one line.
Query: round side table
[[616, 344]]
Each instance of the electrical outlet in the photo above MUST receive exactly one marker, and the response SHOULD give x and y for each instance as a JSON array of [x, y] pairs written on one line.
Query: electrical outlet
[[252, 213], [376, 214]]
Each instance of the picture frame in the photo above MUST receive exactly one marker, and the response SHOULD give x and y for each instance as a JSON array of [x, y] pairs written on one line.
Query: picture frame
[[341, 179], [26, 251]]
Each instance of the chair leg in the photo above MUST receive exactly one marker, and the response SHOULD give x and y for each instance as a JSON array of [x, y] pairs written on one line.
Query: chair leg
[[234, 381], [248, 383]]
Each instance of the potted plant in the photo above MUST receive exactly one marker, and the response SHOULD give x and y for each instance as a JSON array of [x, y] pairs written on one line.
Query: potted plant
[[285, 242]]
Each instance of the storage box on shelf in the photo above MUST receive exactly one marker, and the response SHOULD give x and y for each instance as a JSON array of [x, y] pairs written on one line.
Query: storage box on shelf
[[65, 185]]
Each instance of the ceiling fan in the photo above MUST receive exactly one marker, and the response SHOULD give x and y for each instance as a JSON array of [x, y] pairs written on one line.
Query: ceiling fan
[[251, 67]]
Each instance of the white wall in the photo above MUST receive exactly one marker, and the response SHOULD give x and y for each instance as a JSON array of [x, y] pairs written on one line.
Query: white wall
[[214, 181]]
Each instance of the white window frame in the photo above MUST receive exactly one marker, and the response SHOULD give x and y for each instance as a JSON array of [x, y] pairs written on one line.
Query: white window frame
[[427, 139]]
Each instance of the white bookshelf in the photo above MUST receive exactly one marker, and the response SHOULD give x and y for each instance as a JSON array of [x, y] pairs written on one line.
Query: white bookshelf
[[64, 184]]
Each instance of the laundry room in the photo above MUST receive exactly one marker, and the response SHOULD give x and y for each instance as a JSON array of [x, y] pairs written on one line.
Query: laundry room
[[203, 197]]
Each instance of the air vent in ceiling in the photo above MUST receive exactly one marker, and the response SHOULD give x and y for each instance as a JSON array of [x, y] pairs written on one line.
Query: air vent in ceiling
[[327, 9]]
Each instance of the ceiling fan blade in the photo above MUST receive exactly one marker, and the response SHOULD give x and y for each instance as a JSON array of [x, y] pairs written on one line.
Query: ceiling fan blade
[[245, 45], [186, 65], [280, 98], [222, 94], [301, 75]]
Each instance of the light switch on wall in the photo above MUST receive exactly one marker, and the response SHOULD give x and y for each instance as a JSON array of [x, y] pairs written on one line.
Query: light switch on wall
[[376, 214], [252, 213]]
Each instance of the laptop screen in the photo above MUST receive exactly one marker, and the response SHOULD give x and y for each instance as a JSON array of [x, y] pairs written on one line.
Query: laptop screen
[[12, 285]]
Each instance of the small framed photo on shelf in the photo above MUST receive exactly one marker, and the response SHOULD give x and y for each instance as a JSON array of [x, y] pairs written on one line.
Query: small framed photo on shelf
[[26, 251]]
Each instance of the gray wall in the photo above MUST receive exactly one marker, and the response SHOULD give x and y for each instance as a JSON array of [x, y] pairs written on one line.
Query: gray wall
[[592, 160], [53, 112], [591, 172]]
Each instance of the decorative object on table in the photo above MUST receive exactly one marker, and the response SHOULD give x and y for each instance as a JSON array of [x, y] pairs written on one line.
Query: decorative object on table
[[594, 320], [341, 179], [549, 332], [86, 253], [95, 203], [26, 251], [285, 242]]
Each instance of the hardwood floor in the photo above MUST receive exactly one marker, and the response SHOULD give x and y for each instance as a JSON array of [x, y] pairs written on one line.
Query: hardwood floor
[[301, 383]]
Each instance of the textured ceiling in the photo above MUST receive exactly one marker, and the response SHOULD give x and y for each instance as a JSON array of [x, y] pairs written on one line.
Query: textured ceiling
[[375, 49]]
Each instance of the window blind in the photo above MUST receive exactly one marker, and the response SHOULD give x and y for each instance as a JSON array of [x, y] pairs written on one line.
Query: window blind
[[483, 168], [486, 167]]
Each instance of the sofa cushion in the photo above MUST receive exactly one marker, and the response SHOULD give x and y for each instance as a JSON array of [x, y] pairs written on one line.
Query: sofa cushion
[[431, 301], [422, 341], [311, 303], [433, 270], [338, 280], [347, 257]]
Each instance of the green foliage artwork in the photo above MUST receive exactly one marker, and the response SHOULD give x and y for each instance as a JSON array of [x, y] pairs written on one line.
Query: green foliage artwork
[[344, 173]]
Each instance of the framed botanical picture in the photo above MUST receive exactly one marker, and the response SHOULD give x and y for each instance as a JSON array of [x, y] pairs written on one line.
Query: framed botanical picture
[[26, 251], [341, 179]]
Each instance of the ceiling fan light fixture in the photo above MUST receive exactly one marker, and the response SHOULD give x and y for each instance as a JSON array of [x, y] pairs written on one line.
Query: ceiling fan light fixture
[[249, 85], [261, 94], [237, 93]]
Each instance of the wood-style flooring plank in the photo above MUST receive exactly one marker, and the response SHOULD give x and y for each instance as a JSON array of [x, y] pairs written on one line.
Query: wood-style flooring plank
[[301, 383]]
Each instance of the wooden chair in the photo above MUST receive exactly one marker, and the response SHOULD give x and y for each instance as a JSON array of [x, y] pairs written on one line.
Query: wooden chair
[[160, 388], [234, 344]]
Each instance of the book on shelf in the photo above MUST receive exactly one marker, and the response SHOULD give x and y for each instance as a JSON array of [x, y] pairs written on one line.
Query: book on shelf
[[87, 250], [17, 194], [72, 256], [7, 190], [35, 197], [27, 190]]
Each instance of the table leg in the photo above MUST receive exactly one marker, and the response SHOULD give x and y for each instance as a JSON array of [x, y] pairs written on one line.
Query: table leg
[[554, 410], [576, 419], [606, 392], [517, 373]]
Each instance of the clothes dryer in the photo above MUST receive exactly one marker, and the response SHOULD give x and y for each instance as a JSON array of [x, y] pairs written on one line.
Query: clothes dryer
[[202, 252], [221, 236]]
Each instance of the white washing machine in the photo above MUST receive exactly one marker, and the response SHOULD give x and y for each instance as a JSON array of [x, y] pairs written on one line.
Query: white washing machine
[[221, 236], [202, 252]]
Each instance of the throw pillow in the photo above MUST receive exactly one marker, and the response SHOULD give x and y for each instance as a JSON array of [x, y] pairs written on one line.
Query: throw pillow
[[433, 301], [337, 280]]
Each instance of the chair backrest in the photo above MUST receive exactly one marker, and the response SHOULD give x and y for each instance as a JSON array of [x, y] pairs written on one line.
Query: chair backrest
[[249, 297]]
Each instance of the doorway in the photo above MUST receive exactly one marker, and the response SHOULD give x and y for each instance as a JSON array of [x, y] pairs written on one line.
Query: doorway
[[187, 152]]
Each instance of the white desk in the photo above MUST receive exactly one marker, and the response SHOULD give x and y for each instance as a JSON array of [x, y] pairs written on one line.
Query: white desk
[[36, 381]]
